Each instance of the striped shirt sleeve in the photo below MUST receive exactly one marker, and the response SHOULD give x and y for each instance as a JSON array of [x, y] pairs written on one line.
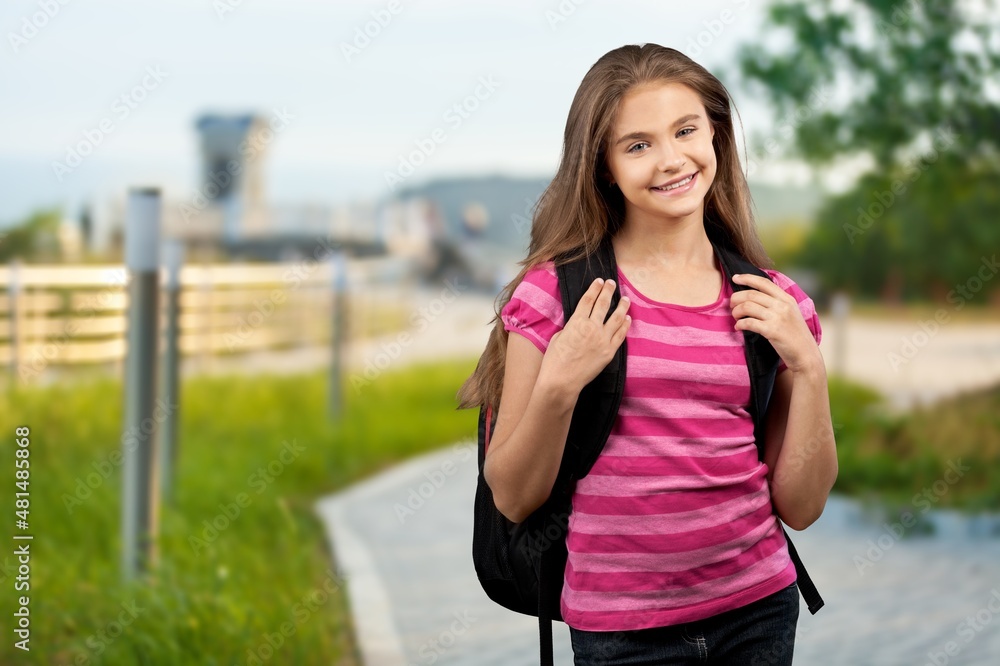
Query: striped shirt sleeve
[[806, 306], [535, 308]]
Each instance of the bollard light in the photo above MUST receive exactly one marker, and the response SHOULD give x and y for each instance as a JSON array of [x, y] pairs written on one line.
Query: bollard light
[[139, 505]]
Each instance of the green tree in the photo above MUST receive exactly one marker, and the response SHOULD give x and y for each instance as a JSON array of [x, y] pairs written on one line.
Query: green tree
[[35, 238], [902, 86]]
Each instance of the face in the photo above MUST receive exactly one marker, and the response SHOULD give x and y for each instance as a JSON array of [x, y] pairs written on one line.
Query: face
[[662, 136]]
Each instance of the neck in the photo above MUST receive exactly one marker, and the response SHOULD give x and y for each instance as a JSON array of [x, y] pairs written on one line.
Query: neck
[[679, 243]]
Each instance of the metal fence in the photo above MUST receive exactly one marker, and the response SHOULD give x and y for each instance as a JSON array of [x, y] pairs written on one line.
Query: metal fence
[[73, 315]]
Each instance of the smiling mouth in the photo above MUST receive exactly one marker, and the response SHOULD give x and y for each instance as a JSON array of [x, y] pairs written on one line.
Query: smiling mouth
[[676, 184]]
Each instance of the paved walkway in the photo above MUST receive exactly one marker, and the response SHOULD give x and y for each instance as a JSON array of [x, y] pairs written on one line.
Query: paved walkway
[[403, 541], [908, 365]]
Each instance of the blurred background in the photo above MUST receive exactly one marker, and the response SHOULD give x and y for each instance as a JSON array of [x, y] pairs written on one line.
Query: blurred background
[[250, 251]]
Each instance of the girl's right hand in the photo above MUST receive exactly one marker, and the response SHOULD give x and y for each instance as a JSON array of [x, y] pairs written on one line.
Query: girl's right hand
[[586, 344]]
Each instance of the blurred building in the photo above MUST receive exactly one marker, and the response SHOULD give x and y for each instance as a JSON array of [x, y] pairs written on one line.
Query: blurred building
[[233, 149], [475, 228], [227, 215]]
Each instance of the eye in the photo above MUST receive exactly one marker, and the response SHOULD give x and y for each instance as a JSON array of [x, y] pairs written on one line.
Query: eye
[[632, 149], [686, 129]]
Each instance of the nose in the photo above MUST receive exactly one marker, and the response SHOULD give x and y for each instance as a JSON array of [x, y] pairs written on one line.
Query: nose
[[670, 159]]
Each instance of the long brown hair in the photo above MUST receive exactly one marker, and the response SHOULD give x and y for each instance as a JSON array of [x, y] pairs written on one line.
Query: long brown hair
[[578, 208]]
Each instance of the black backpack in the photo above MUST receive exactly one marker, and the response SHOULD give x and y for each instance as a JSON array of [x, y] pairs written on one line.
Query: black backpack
[[521, 565]]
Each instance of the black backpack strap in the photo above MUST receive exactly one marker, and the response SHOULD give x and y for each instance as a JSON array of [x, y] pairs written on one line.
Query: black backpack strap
[[593, 418], [806, 586], [762, 363], [545, 656], [597, 406]]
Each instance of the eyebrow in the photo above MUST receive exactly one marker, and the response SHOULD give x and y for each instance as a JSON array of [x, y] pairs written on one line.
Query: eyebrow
[[643, 135]]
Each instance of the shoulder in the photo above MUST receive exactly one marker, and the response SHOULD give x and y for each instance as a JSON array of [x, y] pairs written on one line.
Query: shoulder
[[543, 275], [539, 287], [788, 284], [535, 306]]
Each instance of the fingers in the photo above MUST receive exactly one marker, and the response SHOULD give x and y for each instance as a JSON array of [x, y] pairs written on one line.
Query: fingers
[[750, 309], [603, 303], [620, 332], [760, 283], [596, 302], [599, 293], [764, 307], [750, 296], [586, 304], [618, 316]]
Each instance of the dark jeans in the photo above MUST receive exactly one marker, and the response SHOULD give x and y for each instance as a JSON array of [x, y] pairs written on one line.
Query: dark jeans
[[762, 632]]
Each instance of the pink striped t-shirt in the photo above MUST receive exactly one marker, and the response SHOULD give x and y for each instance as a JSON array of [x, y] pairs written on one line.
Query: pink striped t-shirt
[[674, 523]]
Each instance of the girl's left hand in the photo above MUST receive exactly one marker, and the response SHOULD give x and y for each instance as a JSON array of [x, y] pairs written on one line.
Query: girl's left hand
[[768, 309]]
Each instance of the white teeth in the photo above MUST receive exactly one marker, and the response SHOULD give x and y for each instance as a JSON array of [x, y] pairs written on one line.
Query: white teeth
[[675, 185]]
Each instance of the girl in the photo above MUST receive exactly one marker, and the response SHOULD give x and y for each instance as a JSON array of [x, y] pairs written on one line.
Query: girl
[[675, 554]]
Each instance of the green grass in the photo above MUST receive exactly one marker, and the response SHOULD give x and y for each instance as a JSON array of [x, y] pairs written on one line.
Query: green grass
[[208, 607], [894, 458], [213, 605]]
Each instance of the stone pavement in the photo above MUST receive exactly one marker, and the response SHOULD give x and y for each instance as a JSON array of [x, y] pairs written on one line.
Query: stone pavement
[[403, 541]]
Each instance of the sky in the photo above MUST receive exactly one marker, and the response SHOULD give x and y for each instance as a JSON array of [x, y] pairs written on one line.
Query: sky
[[358, 86]]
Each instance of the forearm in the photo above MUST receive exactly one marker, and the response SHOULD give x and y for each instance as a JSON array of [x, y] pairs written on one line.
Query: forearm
[[806, 467], [522, 469]]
